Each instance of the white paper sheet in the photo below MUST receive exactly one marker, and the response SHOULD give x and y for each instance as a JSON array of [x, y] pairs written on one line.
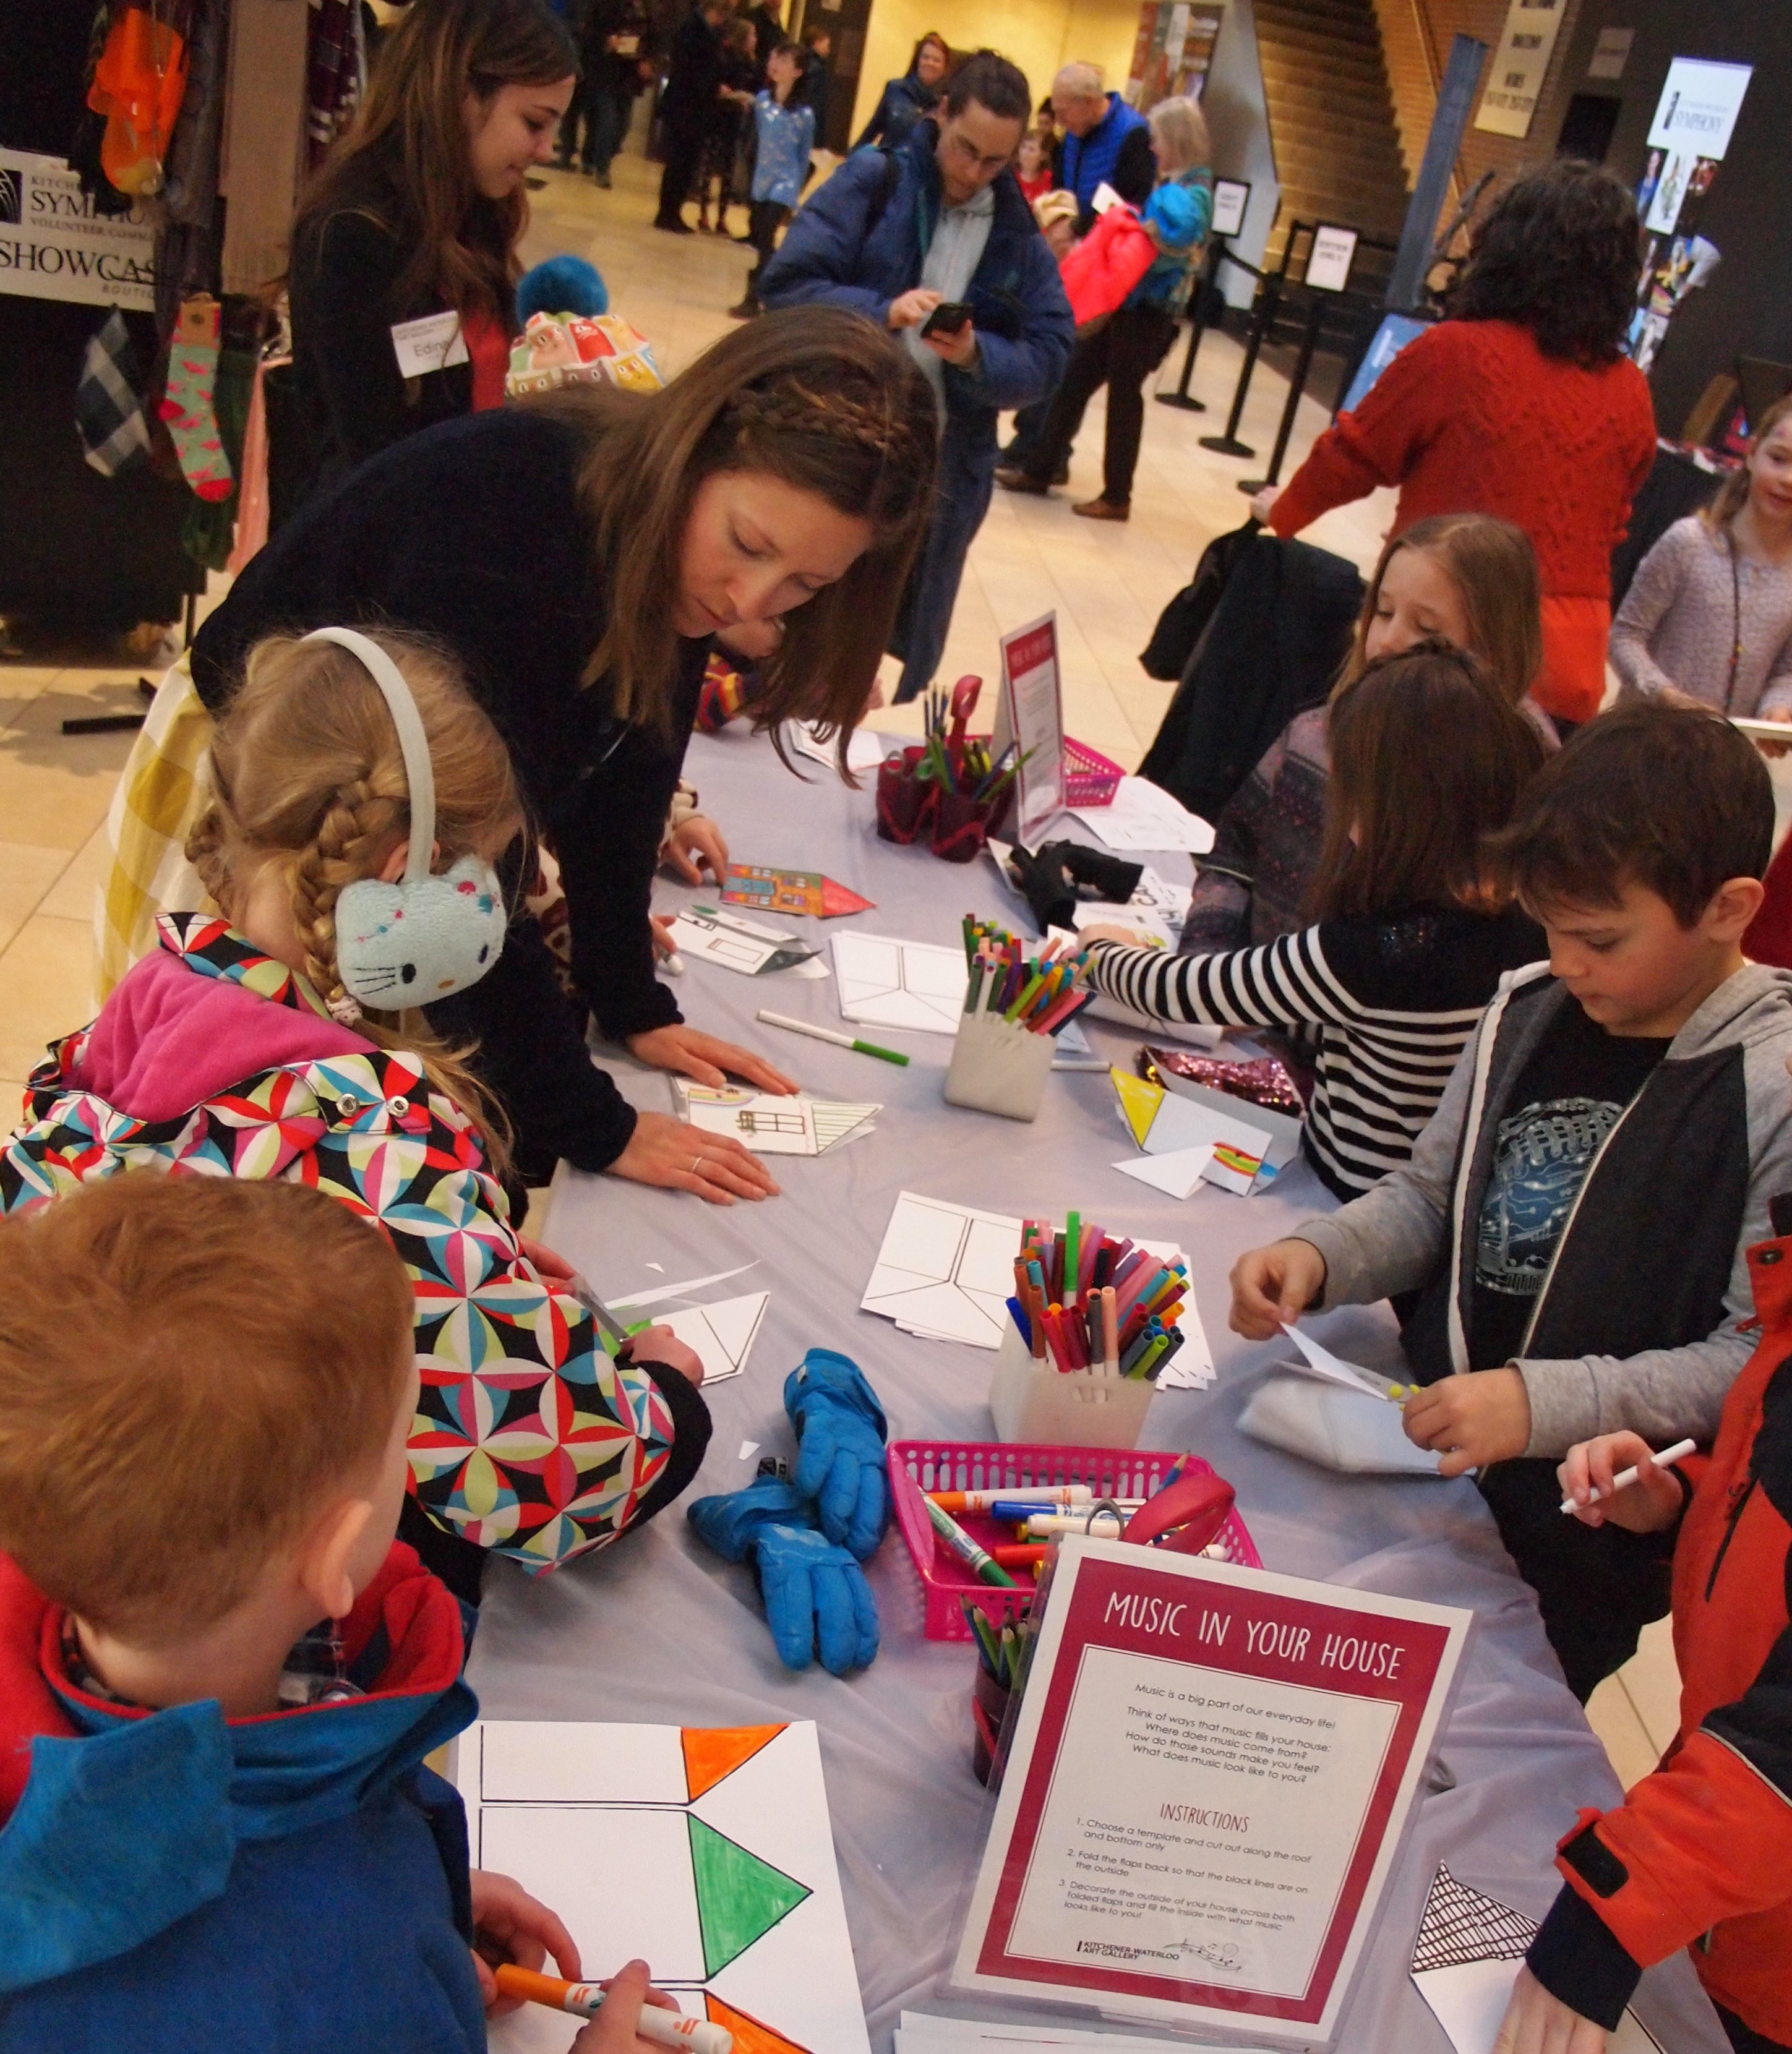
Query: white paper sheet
[[1156, 907], [1318, 1361], [945, 1271], [1175, 1175], [884, 982], [722, 1334], [765, 1123], [1466, 1958], [864, 750], [661, 1293], [732, 942], [1144, 816], [708, 1853]]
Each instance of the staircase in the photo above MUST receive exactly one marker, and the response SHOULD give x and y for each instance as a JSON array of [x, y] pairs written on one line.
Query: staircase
[[1331, 118]]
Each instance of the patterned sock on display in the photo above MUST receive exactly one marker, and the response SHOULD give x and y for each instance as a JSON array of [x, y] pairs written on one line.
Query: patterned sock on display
[[186, 404]]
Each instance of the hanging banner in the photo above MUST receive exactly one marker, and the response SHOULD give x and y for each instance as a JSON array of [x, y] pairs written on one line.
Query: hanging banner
[[54, 246], [1515, 78]]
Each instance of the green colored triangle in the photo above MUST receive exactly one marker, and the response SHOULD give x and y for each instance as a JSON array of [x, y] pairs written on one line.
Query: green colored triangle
[[739, 1898]]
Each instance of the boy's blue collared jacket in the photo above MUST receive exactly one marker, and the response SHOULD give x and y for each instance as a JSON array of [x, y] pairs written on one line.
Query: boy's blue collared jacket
[[842, 251], [174, 1880]]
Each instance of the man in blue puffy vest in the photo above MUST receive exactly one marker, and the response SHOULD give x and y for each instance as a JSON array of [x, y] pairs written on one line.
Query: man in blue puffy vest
[[1105, 141], [939, 220]]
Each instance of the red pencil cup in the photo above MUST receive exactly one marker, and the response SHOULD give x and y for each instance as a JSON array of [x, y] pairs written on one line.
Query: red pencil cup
[[953, 824], [989, 1708], [905, 803]]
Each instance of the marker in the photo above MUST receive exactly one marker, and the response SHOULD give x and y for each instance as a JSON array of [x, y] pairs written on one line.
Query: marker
[[672, 965], [981, 1500], [1626, 1478], [1043, 1525], [828, 1034], [663, 2029], [967, 1550]]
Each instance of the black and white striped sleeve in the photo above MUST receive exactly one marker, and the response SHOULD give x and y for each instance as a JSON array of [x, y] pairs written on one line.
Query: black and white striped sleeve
[[1286, 983]]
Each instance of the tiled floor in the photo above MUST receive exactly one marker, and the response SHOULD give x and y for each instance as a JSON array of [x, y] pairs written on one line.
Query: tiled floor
[[1107, 583]]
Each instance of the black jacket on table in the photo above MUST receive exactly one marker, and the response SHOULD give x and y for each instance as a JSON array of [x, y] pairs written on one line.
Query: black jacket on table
[[342, 287], [474, 533]]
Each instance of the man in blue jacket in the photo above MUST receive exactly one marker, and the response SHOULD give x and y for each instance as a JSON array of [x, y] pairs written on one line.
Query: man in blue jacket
[[939, 222], [1105, 141]]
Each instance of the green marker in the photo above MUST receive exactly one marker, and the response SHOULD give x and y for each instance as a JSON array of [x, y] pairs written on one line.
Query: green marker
[[828, 1034], [966, 1549]]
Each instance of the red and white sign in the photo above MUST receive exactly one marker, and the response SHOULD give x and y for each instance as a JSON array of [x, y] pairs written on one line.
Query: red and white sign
[[1211, 1774], [1031, 714]]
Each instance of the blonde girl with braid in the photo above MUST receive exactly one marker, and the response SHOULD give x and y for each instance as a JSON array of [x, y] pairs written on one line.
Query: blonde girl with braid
[[225, 1051], [578, 556]]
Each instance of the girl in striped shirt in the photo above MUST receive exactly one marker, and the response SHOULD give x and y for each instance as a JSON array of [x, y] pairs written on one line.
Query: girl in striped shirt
[[1409, 941]]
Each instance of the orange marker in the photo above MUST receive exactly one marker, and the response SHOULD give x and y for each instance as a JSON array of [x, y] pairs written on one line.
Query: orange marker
[[663, 2029]]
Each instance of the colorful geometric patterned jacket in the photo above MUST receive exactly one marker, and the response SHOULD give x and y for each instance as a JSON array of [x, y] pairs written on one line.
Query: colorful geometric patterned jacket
[[211, 1059]]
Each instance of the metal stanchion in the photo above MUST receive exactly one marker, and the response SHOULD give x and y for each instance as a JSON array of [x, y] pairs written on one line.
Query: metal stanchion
[[1268, 300], [1310, 341], [1197, 322]]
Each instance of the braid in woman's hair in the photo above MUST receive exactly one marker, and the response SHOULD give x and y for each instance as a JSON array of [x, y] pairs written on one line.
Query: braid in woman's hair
[[360, 816], [788, 407]]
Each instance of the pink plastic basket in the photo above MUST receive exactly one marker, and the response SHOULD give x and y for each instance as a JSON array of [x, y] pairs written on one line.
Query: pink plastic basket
[[1089, 778], [1016, 1465]]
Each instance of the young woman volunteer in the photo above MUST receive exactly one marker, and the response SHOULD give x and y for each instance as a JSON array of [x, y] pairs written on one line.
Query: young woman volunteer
[[404, 246], [577, 557]]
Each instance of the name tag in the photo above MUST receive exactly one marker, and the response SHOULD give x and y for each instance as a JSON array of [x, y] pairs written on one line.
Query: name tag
[[626, 46], [431, 343], [1105, 197]]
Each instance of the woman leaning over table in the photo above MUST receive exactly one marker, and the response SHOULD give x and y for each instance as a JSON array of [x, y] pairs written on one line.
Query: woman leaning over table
[[1521, 403], [578, 555], [418, 212]]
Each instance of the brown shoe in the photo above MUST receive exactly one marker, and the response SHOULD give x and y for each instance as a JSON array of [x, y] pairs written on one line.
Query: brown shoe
[[1012, 478], [1102, 509]]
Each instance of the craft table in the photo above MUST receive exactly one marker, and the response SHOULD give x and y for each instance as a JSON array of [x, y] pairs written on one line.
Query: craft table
[[658, 1629]]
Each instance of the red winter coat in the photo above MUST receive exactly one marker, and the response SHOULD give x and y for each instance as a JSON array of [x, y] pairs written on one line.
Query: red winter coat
[[1699, 1854]]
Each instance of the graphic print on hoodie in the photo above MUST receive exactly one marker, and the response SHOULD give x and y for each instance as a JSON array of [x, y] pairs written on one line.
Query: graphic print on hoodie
[[1569, 1097]]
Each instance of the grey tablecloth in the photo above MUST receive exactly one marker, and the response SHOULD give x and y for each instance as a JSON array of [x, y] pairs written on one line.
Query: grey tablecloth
[[658, 1629]]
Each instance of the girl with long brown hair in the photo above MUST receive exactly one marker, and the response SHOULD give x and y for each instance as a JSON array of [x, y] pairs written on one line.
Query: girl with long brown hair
[[1409, 938], [577, 557], [404, 246], [1465, 579]]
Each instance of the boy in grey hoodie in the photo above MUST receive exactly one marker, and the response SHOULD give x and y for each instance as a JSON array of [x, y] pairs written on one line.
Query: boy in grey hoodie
[[1571, 1235]]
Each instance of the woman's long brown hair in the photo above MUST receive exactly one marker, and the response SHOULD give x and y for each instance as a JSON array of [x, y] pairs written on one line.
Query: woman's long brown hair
[[813, 396], [1428, 759], [404, 161]]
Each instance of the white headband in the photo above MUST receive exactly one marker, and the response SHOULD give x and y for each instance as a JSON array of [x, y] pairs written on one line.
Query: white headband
[[420, 772]]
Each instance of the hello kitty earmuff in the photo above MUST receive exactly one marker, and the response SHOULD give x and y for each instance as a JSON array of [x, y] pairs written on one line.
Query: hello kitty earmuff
[[426, 937]]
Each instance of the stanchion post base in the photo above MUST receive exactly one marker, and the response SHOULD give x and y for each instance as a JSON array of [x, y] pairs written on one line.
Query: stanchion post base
[[1179, 400], [1227, 446]]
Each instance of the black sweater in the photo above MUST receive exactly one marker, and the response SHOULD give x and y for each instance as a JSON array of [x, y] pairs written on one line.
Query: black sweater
[[342, 293], [474, 533]]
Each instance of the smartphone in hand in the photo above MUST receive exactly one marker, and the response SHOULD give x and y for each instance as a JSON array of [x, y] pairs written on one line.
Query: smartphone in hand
[[947, 318]]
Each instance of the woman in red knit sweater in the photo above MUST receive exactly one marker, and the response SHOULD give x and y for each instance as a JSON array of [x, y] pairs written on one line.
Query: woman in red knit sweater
[[1520, 404]]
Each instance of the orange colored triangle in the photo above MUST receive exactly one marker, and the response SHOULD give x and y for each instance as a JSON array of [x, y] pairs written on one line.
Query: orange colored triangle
[[711, 1753], [750, 2037]]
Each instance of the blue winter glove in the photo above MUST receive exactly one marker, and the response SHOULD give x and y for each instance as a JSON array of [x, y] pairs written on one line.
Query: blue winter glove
[[817, 1598], [840, 1463]]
